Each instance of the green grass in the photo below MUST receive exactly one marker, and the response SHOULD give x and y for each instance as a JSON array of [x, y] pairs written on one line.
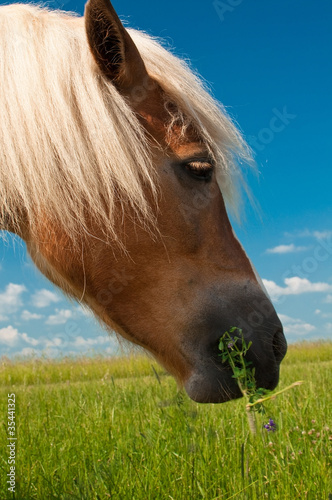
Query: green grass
[[97, 429]]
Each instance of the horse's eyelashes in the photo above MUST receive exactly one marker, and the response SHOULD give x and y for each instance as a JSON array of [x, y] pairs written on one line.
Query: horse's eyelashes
[[200, 169], [200, 165]]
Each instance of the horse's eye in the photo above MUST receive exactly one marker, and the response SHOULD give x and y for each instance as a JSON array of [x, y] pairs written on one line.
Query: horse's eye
[[200, 169]]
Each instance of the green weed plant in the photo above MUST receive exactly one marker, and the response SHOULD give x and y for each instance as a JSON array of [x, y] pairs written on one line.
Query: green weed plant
[[233, 350]]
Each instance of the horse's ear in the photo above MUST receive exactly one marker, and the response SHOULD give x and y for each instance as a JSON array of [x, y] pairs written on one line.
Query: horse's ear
[[112, 47]]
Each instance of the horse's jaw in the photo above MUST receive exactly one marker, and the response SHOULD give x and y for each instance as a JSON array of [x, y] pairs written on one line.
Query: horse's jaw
[[204, 386]]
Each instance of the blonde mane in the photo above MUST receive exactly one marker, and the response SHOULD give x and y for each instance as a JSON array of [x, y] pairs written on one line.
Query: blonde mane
[[70, 145]]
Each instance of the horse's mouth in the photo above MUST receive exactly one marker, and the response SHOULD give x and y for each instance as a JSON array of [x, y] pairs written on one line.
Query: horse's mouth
[[213, 385], [211, 379], [205, 387]]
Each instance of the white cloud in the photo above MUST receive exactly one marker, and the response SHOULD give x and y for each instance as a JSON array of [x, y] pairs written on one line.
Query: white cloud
[[29, 340], [11, 336], [28, 352], [295, 327], [323, 314], [328, 327], [55, 346], [10, 300], [82, 342], [61, 317], [114, 349], [328, 299], [318, 235], [295, 286], [44, 298], [282, 249], [28, 316], [51, 352], [55, 342], [322, 235]]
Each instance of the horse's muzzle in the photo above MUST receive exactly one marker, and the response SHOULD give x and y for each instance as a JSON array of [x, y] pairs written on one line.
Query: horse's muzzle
[[212, 381]]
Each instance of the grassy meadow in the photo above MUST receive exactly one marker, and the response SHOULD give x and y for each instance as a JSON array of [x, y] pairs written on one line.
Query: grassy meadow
[[99, 428]]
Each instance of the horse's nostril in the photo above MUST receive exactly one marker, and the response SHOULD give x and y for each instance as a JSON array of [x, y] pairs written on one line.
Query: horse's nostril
[[279, 346]]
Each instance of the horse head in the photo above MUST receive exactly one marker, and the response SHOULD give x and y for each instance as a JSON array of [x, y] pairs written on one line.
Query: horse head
[[175, 277]]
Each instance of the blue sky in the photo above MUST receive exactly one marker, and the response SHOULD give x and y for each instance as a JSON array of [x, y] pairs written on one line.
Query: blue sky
[[269, 63]]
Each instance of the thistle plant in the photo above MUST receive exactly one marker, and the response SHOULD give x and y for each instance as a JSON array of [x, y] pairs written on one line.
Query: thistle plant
[[233, 349]]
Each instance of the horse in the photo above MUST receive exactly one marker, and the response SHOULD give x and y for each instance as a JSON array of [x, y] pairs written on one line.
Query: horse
[[116, 168]]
